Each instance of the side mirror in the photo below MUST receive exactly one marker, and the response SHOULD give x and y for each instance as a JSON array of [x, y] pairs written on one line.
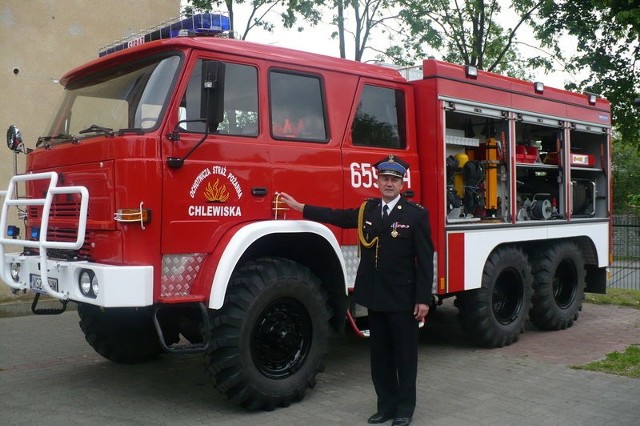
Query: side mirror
[[14, 139], [213, 93]]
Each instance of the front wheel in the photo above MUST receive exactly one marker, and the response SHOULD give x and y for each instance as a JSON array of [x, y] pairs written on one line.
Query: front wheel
[[269, 338], [494, 315], [558, 287]]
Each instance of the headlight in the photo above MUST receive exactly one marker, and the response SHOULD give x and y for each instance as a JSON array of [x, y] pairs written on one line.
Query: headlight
[[85, 282], [95, 287], [15, 271]]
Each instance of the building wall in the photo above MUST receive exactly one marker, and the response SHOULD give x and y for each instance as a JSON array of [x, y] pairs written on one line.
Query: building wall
[[40, 40]]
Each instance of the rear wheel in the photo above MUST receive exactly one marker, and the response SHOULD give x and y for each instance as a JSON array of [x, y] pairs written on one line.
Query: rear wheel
[[494, 315], [558, 287], [268, 340], [122, 335]]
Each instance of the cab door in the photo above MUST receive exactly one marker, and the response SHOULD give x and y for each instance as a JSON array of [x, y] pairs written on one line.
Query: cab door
[[216, 166], [305, 158]]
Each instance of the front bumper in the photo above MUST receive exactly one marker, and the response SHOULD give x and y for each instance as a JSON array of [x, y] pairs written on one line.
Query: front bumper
[[119, 286]]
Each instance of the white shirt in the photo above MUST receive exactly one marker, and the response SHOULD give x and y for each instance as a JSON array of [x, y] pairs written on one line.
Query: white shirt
[[391, 204]]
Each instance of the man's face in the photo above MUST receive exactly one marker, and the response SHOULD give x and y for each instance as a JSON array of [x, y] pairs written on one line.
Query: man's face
[[390, 186]]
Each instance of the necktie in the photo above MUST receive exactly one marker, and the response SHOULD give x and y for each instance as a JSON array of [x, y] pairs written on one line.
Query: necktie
[[385, 213]]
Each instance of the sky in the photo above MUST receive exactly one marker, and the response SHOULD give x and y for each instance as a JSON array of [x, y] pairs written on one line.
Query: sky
[[318, 40]]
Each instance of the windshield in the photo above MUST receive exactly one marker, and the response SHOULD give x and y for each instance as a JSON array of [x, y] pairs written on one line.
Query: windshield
[[129, 98]]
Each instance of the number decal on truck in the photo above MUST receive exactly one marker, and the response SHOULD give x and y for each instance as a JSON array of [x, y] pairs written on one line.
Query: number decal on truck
[[365, 175]]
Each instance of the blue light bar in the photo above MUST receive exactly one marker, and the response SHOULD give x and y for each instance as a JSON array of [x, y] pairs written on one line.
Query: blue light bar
[[204, 24]]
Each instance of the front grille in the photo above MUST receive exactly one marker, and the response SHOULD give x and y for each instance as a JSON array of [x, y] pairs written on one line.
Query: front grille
[[84, 253], [63, 211], [68, 235], [58, 211]]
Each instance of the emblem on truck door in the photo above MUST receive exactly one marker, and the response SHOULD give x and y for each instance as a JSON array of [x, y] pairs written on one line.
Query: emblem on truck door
[[214, 186]]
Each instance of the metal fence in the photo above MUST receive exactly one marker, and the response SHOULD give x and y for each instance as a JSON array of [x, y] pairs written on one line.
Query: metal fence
[[625, 270]]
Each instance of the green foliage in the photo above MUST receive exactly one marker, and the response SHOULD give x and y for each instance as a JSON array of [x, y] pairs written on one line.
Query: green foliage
[[626, 174], [625, 363], [633, 200], [608, 46]]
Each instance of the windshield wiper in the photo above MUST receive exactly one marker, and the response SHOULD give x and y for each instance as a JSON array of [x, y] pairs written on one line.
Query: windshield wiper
[[97, 129], [44, 140]]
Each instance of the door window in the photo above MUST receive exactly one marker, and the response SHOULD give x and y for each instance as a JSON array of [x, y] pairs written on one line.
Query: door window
[[380, 118], [240, 101], [297, 107]]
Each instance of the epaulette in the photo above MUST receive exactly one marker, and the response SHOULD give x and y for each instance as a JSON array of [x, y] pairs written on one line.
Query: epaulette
[[416, 205], [367, 200], [377, 200]]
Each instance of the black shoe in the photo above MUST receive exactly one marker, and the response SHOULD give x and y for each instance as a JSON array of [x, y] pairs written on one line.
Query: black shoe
[[380, 417], [401, 421]]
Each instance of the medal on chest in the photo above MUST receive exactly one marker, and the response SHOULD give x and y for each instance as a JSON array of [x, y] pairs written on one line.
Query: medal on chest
[[394, 229]]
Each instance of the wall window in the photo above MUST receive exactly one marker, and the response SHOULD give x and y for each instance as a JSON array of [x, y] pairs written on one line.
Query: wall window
[[240, 101], [297, 107], [380, 118]]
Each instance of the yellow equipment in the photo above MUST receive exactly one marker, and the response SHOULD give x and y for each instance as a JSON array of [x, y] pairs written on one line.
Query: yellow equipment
[[458, 176]]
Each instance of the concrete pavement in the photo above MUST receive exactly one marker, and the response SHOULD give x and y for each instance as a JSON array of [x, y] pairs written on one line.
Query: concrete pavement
[[50, 375]]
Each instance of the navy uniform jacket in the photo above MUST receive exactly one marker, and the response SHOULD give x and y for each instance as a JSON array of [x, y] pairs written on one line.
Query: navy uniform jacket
[[403, 273]]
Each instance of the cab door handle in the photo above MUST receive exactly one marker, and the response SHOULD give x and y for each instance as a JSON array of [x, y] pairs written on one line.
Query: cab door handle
[[257, 191]]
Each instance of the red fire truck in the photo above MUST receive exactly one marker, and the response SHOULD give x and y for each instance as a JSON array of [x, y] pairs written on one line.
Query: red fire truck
[[152, 201]]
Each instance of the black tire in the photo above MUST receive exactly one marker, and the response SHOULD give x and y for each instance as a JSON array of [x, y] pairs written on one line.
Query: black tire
[[494, 315], [268, 340], [121, 335], [558, 287]]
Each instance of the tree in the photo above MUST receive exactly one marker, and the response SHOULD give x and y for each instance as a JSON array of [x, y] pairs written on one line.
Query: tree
[[468, 32], [368, 16], [608, 51]]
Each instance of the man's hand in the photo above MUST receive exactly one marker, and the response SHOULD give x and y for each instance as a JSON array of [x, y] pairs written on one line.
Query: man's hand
[[291, 202], [420, 311]]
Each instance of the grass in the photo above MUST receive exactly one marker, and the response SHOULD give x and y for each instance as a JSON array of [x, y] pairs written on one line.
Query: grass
[[625, 363], [616, 296]]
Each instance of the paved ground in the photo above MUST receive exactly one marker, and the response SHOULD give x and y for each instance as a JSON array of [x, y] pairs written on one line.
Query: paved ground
[[49, 375]]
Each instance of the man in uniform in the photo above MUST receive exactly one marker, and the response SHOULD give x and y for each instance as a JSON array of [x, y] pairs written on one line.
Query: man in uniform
[[394, 281]]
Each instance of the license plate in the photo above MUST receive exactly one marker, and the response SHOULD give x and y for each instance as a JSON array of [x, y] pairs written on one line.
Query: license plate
[[36, 283]]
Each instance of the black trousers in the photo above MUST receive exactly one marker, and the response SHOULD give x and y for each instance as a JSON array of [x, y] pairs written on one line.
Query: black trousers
[[394, 361]]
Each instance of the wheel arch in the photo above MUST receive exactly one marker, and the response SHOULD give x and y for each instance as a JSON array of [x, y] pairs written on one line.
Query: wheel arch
[[585, 245], [309, 243]]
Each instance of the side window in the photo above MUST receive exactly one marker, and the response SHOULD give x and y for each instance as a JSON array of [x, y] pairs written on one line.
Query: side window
[[240, 101], [380, 118], [297, 108]]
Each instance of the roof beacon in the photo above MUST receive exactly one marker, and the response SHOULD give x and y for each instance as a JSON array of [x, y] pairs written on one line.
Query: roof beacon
[[204, 24]]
